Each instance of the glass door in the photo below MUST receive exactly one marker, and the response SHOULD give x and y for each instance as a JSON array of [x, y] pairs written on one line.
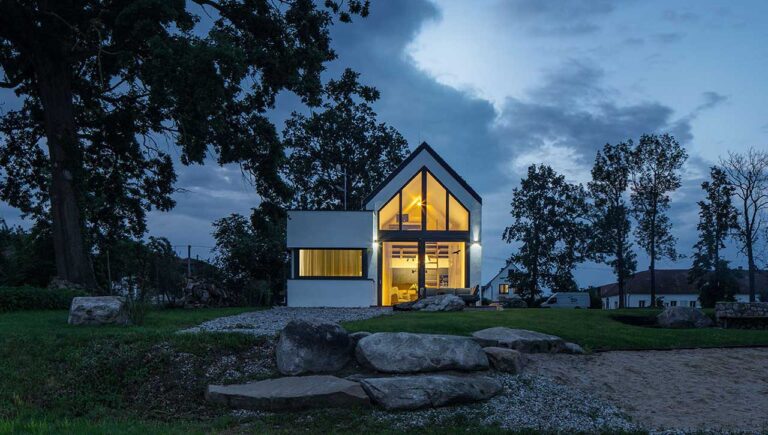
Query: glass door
[[399, 272], [444, 266]]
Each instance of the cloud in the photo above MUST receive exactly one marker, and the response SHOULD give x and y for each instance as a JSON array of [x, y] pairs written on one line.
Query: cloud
[[679, 17], [559, 17]]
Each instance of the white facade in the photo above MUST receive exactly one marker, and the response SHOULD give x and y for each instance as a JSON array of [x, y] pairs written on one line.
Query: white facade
[[359, 230], [491, 290], [644, 300]]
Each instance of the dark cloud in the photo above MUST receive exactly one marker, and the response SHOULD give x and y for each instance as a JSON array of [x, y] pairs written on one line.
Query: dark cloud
[[679, 17], [667, 37], [559, 17]]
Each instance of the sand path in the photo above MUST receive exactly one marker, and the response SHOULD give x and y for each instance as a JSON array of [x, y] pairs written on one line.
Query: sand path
[[678, 389]]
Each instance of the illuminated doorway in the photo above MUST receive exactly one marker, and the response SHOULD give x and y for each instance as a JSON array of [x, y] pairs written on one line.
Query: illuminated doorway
[[399, 272]]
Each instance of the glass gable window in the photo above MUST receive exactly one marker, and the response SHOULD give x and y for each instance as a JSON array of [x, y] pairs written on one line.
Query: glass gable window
[[423, 204], [329, 263]]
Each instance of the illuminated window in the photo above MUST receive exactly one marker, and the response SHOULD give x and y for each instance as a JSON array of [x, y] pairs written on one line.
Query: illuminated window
[[343, 263], [388, 216], [503, 289], [412, 203], [458, 216], [437, 206]]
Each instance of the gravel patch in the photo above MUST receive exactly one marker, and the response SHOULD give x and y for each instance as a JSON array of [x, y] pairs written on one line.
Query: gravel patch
[[527, 403], [270, 322]]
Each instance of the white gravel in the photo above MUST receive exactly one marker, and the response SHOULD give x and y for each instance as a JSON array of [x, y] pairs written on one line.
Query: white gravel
[[527, 403], [270, 322]]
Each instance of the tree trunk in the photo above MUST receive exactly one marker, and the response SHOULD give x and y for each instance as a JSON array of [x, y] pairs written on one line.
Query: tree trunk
[[751, 271], [54, 85]]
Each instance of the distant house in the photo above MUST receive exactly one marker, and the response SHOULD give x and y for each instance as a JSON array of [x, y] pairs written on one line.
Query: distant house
[[672, 287], [498, 285], [419, 233]]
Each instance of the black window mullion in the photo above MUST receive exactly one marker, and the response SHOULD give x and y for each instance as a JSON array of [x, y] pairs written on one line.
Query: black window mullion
[[447, 212], [423, 200], [400, 211]]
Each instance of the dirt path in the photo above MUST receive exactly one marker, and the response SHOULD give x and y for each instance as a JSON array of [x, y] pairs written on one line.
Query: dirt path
[[679, 389]]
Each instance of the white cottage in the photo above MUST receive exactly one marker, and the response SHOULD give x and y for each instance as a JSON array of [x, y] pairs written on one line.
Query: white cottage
[[418, 235]]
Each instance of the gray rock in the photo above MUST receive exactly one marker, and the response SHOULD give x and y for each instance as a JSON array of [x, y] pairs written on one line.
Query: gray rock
[[291, 393], [683, 317], [403, 352], [357, 336], [413, 392], [439, 303], [518, 339], [98, 310], [312, 346], [572, 348], [505, 360], [512, 301]]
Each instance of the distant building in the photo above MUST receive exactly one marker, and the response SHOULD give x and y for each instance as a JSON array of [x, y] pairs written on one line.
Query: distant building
[[672, 287], [498, 285]]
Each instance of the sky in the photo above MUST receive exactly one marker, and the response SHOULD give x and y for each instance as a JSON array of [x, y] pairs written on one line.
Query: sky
[[495, 86]]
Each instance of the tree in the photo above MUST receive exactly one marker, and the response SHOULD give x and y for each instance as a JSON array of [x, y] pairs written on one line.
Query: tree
[[342, 144], [549, 220], [251, 255], [748, 177], [656, 162], [717, 218], [105, 84], [611, 227]]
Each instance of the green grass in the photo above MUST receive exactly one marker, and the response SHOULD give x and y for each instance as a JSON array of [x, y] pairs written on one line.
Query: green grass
[[593, 329]]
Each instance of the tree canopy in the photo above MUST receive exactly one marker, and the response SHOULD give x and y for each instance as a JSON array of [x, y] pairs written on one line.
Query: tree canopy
[[341, 144], [111, 89]]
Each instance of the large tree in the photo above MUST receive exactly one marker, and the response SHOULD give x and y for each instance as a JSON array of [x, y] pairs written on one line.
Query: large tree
[[656, 164], [109, 87], [550, 224], [611, 226], [340, 154], [717, 218], [748, 176]]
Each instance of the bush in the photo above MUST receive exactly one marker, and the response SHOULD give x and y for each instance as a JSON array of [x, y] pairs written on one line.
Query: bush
[[35, 298]]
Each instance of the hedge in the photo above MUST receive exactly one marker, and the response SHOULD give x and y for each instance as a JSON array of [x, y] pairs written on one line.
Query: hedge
[[35, 298]]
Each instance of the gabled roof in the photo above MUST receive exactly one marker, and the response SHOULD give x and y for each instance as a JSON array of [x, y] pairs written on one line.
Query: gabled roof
[[423, 147], [675, 282]]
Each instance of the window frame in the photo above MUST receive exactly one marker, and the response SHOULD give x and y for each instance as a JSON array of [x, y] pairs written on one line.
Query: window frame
[[364, 259], [506, 287], [422, 172]]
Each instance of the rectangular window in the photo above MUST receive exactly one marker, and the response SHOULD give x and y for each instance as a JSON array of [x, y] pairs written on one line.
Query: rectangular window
[[641, 304], [329, 263], [503, 289], [672, 303], [692, 304]]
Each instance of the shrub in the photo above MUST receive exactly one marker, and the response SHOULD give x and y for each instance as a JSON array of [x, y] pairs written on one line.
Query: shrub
[[35, 298]]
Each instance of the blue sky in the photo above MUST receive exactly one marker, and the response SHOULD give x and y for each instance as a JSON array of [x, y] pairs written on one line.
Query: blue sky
[[495, 86]]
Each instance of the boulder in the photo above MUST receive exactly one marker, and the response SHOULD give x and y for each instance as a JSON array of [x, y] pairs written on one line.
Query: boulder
[[572, 348], [518, 339], [290, 393], [683, 317], [513, 301], [312, 346], [439, 303], [505, 360], [98, 310], [422, 391], [402, 352]]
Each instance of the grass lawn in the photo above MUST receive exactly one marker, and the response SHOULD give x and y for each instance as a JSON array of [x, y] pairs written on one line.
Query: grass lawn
[[593, 329]]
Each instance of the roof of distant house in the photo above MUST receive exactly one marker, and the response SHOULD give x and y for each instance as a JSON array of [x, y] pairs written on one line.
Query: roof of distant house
[[675, 282]]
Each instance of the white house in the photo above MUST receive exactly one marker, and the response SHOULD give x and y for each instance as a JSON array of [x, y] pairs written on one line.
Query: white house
[[672, 287], [498, 285], [419, 234]]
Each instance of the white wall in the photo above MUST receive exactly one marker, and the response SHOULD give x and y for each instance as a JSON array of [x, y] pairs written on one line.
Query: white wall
[[683, 300], [331, 293], [330, 229], [492, 292], [424, 158]]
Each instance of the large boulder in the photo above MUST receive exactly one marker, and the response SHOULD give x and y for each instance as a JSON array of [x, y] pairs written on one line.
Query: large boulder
[[505, 360], [98, 310], [518, 339], [512, 301], [421, 391], [683, 317], [402, 352], [291, 393], [312, 346], [439, 303]]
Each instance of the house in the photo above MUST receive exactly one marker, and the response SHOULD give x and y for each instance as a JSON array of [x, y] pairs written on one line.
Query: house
[[419, 234], [499, 284], [672, 287]]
